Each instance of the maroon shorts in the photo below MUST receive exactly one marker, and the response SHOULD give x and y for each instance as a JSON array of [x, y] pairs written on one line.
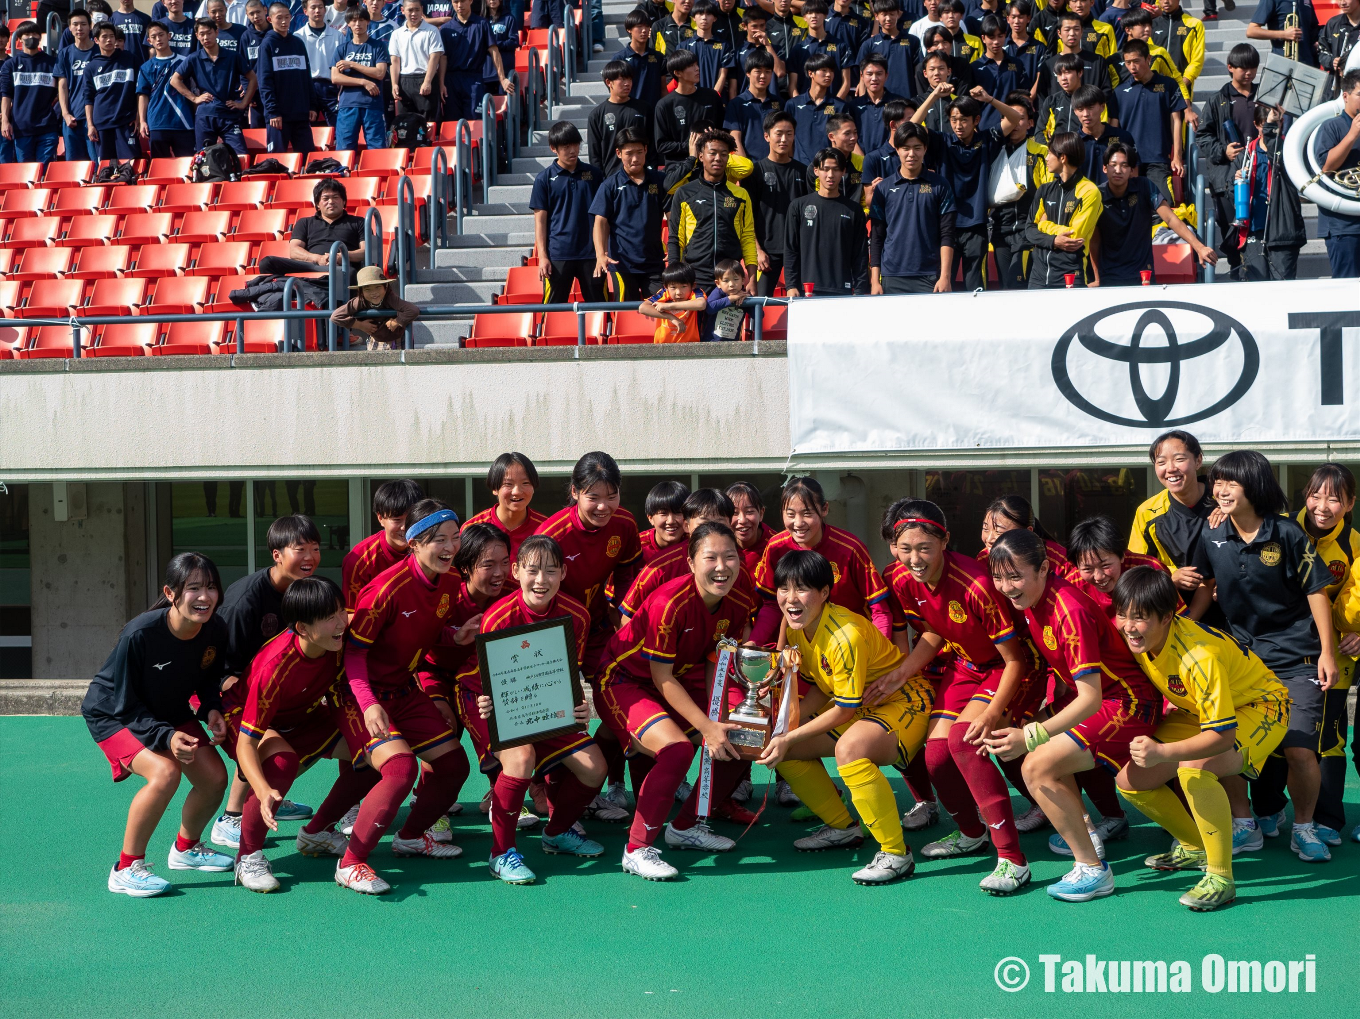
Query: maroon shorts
[[312, 738], [123, 746], [631, 708], [552, 752], [411, 716], [962, 683], [437, 684], [1107, 733]]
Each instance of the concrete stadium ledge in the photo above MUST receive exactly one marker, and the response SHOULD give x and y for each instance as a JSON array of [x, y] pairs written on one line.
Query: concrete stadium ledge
[[42, 696]]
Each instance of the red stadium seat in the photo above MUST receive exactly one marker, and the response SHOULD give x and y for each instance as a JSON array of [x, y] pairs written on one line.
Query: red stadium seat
[[179, 295], [191, 338], [74, 201], [203, 227], [168, 170], [48, 341], [775, 324], [124, 339], [91, 231], [292, 162], [37, 232], [522, 286], [423, 159], [53, 298], [277, 248], [15, 176], [261, 225], [221, 301], [134, 198], [256, 139], [9, 296], [63, 175], [116, 297], [382, 162], [20, 203], [100, 262], [188, 198], [147, 228], [7, 257], [229, 259], [262, 336], [559, 329], [12, 337], [508, 330], [238, 195], [632, 327], [361, 192], [42, 263], [323, 138], [345, 158], [162, 260], [294, 194]]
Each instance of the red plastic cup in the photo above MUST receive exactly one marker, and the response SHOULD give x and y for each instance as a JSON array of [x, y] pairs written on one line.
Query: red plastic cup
[[1070, 280], [1146, 275], [808, 288]]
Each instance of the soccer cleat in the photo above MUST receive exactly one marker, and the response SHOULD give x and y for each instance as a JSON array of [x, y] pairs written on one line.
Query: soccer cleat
[[511, 868], [1031, 820], [346, 825], [1329, 835], [923, 815], [827, 837], [884, 868], [1270, 824], [254, 873], [1007, 878], [682, 792], [137, 880], [1305, 842], [1247, 837], [603, 810], [226, 832], [526, 820], [733, 812], [701, 838], [1084, 883], [743, 791], [321, 843], [360, 878], [571, 843], [1212, 892], [290, 811], [646, 862], [1178, 857], [785, 795], [455, 810], [1059, 845], [200, 857], [441, 830], [956, 843], [424, 846], [1111, 828], [618, 795]]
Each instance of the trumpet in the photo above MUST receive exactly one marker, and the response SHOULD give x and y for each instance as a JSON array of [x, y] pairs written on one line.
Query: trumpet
[[1291, 46]]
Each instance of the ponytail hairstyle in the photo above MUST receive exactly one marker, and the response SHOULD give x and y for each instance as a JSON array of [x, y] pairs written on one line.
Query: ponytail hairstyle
[[310, 600], [597, 468], [908, 513], [1018, 511], [421, 510], [477, 541], [1015, 548], [1334, 479], [181, 569], [707, 529], [805, 488]]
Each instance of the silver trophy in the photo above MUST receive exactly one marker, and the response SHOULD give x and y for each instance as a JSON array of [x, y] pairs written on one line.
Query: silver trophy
[[754, 667]]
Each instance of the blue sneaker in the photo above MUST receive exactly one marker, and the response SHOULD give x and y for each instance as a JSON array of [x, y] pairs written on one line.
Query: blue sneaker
[[511, 868], [1270, 825], [1247, 836], [1084, 883], [1304, 841], [290, 811], [1058, 844], [137, 881], [1329, 835], [1355, 833], [200, 857], [571, 843]]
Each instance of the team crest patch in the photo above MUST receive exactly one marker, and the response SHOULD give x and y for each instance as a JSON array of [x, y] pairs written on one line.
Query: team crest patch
[[209, 656], [826, 666], [612, 549], [956, 612], [443, 609], [923, 189], [721, 629], [1337, 569], [835, 573], [1050, 641], [729, 202], [652, 189], [1270, 554], [1174, 684], [829, 109]]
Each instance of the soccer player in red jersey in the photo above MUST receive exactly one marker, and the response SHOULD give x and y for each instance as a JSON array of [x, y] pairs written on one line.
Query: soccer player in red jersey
[[748, 522], [280, 724], [651, 688], [1101, 556], [385, 715], [1108, 702], [665, 510], [571, 765], [601, 546], [858, 586], [990, 675], [513, 479], [391, 502], [1010, 512]]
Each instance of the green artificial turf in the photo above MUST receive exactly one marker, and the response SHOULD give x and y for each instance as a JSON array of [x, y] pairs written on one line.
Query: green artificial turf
[[763, 930]]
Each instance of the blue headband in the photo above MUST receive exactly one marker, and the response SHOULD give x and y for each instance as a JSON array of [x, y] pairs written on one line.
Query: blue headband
[[433, 520]]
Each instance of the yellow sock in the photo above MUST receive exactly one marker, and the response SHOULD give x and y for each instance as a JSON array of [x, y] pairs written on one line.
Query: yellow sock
[[812, 785], [1164, 807], [1213, 816], [873, 798]]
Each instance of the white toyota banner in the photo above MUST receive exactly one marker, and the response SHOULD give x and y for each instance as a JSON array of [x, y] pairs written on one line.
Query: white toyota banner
[[1242, 363]]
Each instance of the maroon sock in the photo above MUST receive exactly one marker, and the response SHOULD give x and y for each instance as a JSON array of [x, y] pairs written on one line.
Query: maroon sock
[[1013, 771], [125, 861], [351, 786], [507, 799], [989, 790], [438, 791], [279, 771], [726, 775], [568, 797], [1098, 785], [183, 844], [380, 806], [951, 788], [613, 758], [657, 794], [638, 767], [918, 779]]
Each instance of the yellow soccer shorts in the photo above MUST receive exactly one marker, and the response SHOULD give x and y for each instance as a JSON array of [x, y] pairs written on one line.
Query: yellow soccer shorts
[[1261, 726], [906, 714]]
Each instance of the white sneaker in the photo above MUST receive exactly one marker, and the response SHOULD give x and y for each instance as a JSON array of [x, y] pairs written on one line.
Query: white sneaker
[[137, 880], [701, 837], [646, 862], [743, 791], [199, 856], [884, 868], [1007, 879], [346, 825], [1111, 828], [682, 791], [360, 878], [441, 830], [618, 795], [253, 872], [322, 843], [956, 843], [827, 837], [785, 795], [923, 815], [226, 831], [603, 810], [525, 821], [424, 846], [1031, 820]]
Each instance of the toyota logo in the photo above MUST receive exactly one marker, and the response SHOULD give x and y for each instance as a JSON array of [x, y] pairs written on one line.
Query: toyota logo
[[1179, 333]]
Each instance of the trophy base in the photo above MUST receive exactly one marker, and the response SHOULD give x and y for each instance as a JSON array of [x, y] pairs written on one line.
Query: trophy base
[[753, 739]]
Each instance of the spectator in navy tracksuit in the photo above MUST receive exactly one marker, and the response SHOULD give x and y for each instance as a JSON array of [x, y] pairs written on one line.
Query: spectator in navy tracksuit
[[167, 117], [467, 47], [505, 37], [29, 116], [359, 72], [257, 27], [109, 97], [70, 74], [222, 87], [285, 82], [134, 25]]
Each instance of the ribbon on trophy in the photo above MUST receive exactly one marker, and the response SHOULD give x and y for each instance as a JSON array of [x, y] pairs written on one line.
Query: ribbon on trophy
[[726, 648]]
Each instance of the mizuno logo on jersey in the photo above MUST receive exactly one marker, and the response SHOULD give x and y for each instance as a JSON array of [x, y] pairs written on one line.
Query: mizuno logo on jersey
[[408, 615], [161, 666]]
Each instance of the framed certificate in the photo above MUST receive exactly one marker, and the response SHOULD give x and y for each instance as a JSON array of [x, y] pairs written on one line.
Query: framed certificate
[[530, 674]]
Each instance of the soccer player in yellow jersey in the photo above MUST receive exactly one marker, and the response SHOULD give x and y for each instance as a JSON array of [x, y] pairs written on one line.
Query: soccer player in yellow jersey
[[841, 653], [1231, 713]]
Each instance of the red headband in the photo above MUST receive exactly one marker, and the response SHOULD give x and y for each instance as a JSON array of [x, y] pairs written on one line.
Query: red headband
[[907, 521]]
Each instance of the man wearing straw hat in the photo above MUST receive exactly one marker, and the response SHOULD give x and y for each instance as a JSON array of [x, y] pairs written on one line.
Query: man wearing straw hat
[[376, 293]]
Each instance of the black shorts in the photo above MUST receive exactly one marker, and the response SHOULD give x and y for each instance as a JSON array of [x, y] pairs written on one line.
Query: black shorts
[[1306, 707]]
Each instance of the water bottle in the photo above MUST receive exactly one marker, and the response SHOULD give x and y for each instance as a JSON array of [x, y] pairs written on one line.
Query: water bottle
[[1242, 199]]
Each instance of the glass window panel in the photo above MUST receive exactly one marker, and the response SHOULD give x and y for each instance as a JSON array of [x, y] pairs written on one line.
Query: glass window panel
[[1069, 496], [964, 497], [325, 501], [203, 521]]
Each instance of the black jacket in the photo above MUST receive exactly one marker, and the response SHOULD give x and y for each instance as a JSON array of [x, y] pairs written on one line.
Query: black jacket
[[677, 115], [826, 243], [1285, 226], [1337, 39], [1213, 138]]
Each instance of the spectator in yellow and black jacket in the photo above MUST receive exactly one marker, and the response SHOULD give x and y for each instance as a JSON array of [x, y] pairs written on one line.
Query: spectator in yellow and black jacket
[[710, 217], [1066, 210], [1183, 37]]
